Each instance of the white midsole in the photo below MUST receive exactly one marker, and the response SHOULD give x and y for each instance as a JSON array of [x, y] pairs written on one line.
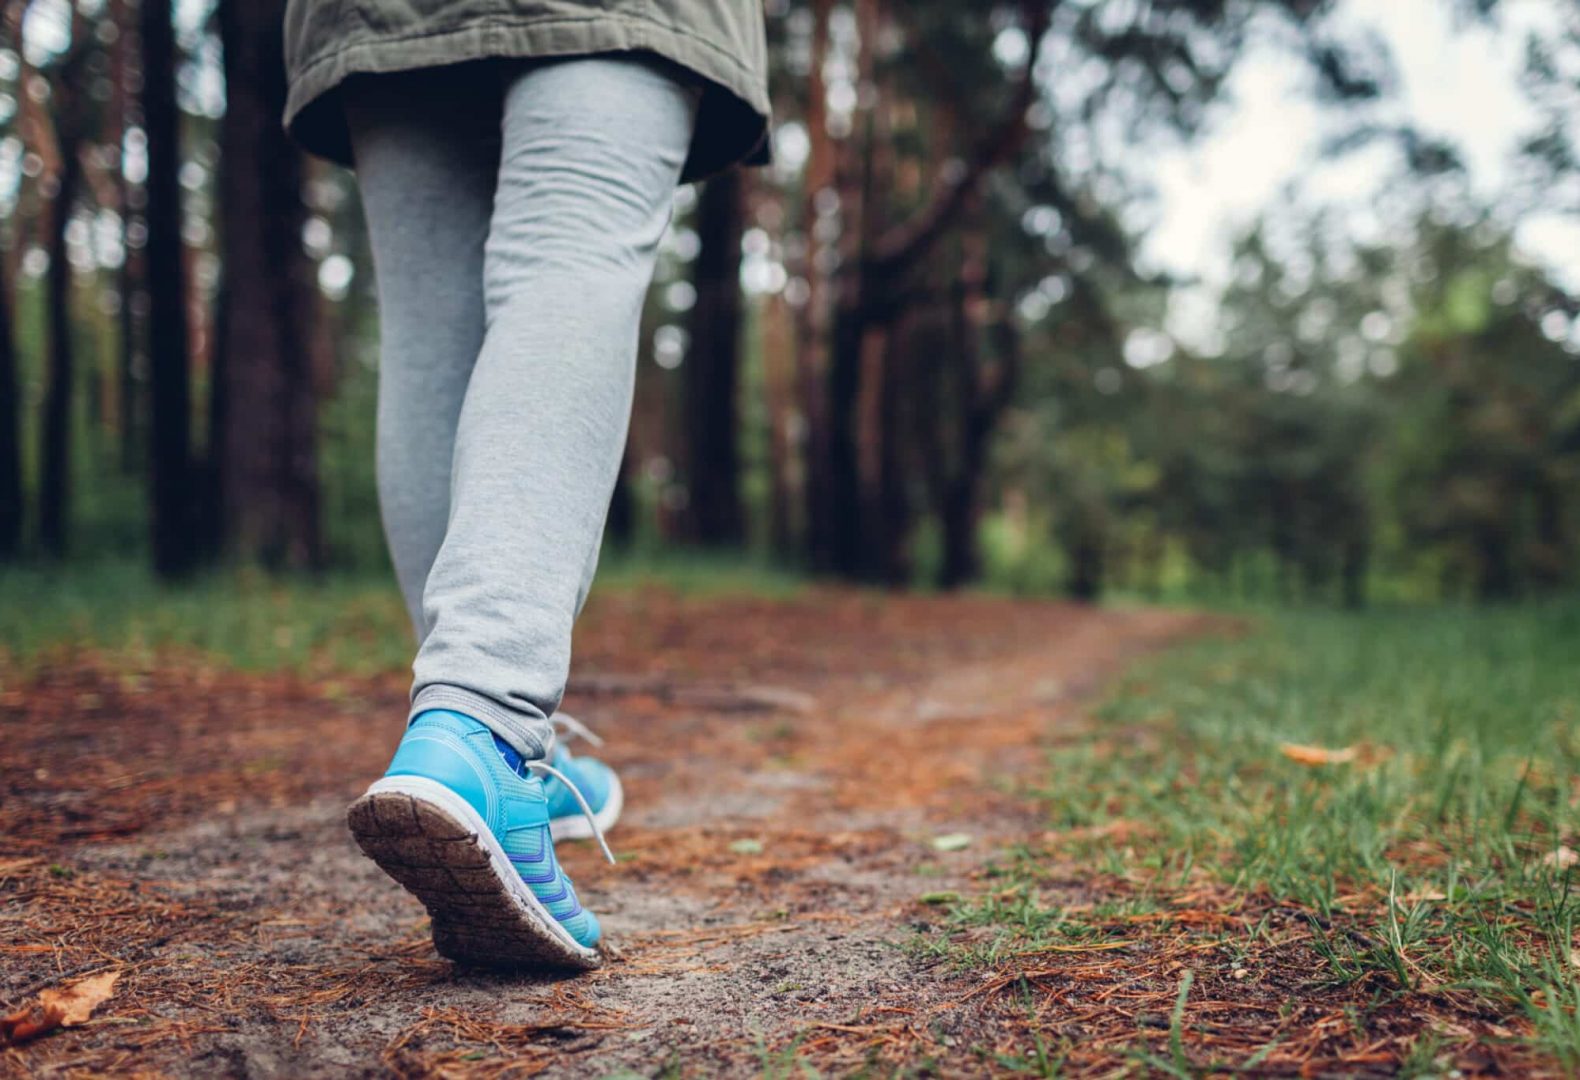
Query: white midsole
[[576, 826], [420, 787]]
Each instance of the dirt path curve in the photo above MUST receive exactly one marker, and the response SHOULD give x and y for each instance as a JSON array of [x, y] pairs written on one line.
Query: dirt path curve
[[787, 765]]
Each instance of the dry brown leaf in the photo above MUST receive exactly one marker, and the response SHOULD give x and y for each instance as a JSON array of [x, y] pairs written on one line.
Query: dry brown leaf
[[1562, 859], [77, 1000], [1319, 755], [27, 1025], [59, 1007]]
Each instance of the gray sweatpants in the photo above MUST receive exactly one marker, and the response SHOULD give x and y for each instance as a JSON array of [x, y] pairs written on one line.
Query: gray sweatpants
[[515, 210]]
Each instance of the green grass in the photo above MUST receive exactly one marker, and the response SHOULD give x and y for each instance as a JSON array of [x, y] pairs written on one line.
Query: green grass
[[697, 573], [337, 622], [1433, 862], [244, 619]]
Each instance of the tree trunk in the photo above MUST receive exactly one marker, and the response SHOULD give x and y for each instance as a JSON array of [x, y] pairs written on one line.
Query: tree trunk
[[128, 391], [711, 371], [55, 451], [1357, 562], [266, 458], [778, 374], [812, 321], [1495, 578], [11, 510], [842, 527], [985, 387], [879, 258], [884, 482], [959, 509], [174, 540], [620, 525], [1085, 581]]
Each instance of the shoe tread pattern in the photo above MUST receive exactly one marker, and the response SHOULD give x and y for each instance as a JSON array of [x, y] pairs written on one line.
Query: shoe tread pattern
[[477, 920]]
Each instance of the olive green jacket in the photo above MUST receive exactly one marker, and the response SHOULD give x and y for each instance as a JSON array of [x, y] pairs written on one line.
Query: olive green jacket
[[327, 41]]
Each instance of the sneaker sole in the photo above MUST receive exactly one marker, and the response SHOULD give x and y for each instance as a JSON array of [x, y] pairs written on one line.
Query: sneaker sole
[[435, 845], [575, 826]]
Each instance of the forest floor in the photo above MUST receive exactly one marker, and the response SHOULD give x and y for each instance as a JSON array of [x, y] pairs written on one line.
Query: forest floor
[[832, 800]]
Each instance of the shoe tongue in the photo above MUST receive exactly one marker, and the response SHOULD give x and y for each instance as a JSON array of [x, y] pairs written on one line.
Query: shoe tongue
[[511, 755]]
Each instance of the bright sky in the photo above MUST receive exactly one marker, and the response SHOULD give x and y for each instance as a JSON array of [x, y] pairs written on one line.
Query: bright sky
[[1454, 81]]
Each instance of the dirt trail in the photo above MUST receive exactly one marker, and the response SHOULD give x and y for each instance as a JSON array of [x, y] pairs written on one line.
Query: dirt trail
[[787, 766]]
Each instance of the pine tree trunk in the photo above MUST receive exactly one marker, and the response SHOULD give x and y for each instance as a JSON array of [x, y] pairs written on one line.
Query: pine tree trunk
[[711, 371], [778, 376], [128, 394], [985, 390], [842, 555], [620, 525], [1357, 563], [55, 451], [267, 461], [174, 540], [1085, 581], [812, 318], [11, 509]]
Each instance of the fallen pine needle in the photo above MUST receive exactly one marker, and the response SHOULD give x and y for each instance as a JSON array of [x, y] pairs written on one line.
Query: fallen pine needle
[[1102, 946], [1318, 755]]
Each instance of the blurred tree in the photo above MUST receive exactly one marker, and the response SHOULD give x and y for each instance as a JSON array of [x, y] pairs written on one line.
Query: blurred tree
[[936, 105], [176, 547], [60, 139], [12, 494], [265, 457], [944, 336], [11, 498], [124, 118], [712, 368], [1552, 81], [1488, 473]]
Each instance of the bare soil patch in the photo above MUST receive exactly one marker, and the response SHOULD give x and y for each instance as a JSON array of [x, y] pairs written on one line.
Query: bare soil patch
[[788, 765]]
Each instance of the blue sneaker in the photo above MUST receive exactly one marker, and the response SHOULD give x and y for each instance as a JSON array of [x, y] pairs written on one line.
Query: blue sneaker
[[595, 782], [468, 834]]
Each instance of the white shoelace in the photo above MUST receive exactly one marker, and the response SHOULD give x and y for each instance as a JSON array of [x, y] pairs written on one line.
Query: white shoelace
[[543, 768], [573, 728]]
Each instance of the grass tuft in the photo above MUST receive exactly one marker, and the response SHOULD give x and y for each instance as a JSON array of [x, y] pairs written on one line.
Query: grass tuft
[[1406, 784]]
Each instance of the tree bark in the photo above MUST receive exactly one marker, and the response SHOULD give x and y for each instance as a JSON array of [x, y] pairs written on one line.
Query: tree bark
[[620, 525], [266, 459], [778, 375], [711, 371], [1085, 581], [122, 104], [812, 318], [11, 508], [869, 288], [1356, 564], [855, 298], [1495, 578], [55, 451], [174, 540]]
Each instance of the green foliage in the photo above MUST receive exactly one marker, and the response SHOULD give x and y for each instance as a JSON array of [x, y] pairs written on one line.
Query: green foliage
[[1434, 852], [332, 623], [243, 618], [1401, 421]]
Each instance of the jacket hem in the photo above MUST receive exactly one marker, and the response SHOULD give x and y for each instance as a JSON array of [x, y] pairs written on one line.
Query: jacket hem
[[312, 117]]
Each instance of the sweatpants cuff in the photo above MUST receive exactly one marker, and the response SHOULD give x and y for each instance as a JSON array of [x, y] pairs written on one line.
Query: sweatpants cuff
[[531, 736]]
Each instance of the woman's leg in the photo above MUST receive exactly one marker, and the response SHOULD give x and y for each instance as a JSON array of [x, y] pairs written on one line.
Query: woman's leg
[[427, 158], [592, 151]]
